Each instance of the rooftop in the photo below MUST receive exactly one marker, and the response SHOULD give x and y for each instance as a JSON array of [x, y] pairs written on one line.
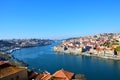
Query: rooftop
[[46, 77], [39, 76], [9, 70], [2, 62], [62, 75]]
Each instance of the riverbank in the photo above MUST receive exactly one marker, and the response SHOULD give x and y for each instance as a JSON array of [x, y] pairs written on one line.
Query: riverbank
[[72, 51], [106, 45], [11, 45], [6, 51], [5, 57]]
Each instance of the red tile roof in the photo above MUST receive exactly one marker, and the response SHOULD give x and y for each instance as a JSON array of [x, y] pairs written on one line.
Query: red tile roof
[[62, 75], [2, 62], [39, 76], [46, 76]]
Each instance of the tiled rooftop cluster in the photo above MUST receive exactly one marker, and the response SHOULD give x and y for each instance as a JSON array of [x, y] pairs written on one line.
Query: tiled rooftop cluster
[[101, 43]]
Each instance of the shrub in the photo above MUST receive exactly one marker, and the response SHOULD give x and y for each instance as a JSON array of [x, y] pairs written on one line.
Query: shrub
[[117, 48]]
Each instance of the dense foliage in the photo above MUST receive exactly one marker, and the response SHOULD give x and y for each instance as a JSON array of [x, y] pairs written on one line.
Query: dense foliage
[[117, 48]]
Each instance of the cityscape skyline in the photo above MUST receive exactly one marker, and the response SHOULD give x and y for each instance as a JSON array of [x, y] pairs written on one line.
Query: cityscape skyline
[[57, 19]]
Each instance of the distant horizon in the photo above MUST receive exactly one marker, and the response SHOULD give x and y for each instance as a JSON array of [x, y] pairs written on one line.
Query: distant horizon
[[53, 38], [58, 19]]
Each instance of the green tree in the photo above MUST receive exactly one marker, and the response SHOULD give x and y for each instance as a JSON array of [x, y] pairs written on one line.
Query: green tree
[[117, 48]]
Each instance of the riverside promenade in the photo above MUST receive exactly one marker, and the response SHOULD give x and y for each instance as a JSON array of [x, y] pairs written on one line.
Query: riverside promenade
[[101, 45]]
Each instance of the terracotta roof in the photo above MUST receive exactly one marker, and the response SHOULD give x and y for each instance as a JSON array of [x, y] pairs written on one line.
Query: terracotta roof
[[57, 78], [62, 75], [2, 62], [39, 76], [10, 70], [46, 77]]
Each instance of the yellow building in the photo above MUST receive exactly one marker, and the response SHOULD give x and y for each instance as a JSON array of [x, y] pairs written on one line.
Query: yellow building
[[115, 46], [10, 72]]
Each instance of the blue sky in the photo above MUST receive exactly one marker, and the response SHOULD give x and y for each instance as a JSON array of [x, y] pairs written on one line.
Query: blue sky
[[56, 19]]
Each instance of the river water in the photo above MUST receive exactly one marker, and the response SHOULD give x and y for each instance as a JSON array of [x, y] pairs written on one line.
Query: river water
[[45, 58]]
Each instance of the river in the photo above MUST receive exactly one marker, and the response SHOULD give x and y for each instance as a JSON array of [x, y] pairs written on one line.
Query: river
[[45, 58]]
